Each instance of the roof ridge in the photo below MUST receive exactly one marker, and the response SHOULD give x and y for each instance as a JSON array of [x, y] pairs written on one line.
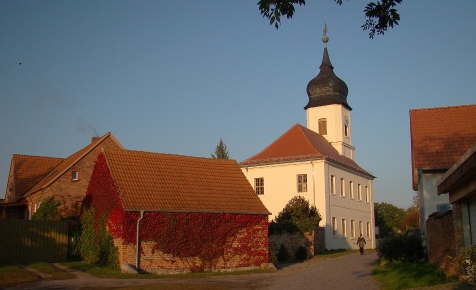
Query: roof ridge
[[168, 154], [441, 108]]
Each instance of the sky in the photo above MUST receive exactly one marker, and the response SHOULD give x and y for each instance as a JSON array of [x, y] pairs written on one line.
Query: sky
[[176, 76]]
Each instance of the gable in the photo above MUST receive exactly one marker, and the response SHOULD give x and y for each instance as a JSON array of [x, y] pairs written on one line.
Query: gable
[[175, 183], [300, 143], [70, 161], [439, 136]]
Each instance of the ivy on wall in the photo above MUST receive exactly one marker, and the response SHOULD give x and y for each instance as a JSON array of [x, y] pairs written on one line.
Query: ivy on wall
[[208, 236]]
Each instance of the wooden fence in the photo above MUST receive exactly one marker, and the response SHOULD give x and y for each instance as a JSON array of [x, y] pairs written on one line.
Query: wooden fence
[[33, 241]]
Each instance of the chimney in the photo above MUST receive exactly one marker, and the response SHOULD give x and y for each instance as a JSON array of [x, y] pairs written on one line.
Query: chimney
[[94, 139]]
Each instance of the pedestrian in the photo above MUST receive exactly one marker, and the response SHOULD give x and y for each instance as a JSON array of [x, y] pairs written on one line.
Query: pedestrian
[[361, 242]]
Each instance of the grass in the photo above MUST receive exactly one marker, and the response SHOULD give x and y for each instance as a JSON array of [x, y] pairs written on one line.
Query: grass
[[12, 275], [404, 275]]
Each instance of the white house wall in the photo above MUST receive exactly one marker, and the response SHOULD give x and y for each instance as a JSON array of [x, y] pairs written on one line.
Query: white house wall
[[280, 185], [429, 198]]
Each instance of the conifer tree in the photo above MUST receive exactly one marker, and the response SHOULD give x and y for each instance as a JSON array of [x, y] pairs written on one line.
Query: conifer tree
[[221, 152]]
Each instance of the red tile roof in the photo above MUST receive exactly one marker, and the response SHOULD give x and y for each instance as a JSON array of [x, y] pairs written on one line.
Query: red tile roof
[[301, 143], [67, 163], [29, 170], [167, 182], [440, 136]]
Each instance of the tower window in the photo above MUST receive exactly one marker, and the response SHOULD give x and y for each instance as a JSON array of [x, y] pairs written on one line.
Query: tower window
[[323, 126], [346, 131]]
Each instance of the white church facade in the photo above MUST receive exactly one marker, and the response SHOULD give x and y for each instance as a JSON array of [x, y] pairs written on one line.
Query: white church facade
[[317, 162]]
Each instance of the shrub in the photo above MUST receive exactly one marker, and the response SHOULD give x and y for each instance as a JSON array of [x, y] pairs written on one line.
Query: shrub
[[48, 210], [407, 248], [298, 211], [301, 253], [466, 262], [283, 254], [272, 258]]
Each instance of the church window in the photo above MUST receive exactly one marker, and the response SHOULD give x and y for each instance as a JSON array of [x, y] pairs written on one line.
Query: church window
[[259, 186], [346, 131], [351, 189], [359, 192], [342, 187], [367, 194], [333, 184], [344, 228], [302, 182], [322, 126], [334, 226]]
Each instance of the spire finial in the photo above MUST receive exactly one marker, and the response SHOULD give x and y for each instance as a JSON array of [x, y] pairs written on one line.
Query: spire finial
[[325, 39]]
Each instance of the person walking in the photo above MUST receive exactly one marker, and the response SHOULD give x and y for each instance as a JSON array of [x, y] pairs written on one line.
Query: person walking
[[361, 242]]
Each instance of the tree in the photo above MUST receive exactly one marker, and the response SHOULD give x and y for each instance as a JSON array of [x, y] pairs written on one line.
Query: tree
[[411, 221], [299, 212], [221, 152], [380, 15], [48, 210], [388, 218]]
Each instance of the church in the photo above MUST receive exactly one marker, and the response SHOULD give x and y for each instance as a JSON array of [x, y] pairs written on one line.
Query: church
[[317, 162]]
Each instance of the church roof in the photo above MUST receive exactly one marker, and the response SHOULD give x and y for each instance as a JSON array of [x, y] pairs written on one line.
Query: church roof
[[326, 88], [176, 183], [440, 136], [300, 143]]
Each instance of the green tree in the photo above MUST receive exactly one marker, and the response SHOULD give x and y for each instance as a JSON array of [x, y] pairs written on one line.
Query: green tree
[[380, 16], [388, 218], [48, 210], [299, 212], [221, 152]]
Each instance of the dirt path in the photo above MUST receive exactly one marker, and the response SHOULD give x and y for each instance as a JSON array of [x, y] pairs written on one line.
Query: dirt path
[[345, 272]]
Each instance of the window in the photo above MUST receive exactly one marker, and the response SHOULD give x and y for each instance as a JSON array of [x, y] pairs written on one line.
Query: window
[[367, 194], [342, 187], [259, 186], [359, 192], [361, 228], [334, 226], [352, 228], [368, 230], [351, 189], [346, 130], [322, 126], [333, 184], [302, 182], [74, 175], [344, 228], [443, 207]]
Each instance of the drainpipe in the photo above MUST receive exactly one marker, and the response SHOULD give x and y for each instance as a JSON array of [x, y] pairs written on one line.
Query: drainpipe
[[313, 186], [138, 240]]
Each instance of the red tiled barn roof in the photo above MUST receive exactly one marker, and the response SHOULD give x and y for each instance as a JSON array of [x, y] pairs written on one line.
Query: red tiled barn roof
[[301, 143], [167, 182], [440, 136]]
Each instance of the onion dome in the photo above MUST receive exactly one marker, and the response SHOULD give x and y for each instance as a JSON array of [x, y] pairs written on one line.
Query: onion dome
[[326, 88]]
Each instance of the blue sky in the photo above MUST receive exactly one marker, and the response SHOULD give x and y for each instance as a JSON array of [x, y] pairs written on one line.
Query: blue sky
[[176, 76]]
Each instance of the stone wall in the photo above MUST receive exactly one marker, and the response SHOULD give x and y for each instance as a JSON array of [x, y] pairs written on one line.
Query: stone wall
[[441, 241], [291, 242]]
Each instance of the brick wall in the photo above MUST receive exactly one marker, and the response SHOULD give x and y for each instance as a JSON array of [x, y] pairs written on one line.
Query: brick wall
[[70, 193], [162, 263], [441, 241], [291, 242]]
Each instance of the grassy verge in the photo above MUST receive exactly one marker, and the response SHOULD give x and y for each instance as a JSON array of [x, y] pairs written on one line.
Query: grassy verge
[[404, 275], [12, 275]]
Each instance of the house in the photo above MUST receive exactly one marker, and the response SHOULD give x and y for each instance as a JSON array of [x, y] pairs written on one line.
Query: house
[[190, 213], [439, 137], [317, 162], [32, 179]]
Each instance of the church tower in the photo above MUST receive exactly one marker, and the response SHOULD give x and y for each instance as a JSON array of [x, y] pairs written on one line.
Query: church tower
[[327, 111]]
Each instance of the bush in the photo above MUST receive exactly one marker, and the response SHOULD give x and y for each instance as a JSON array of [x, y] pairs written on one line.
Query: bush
[[301, 253], [283, 255], [48, 210], [407, 248], [299, 212], [272, 258]]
